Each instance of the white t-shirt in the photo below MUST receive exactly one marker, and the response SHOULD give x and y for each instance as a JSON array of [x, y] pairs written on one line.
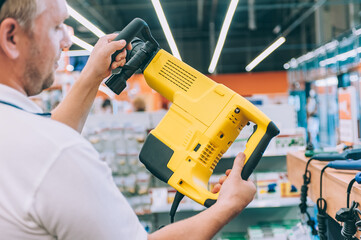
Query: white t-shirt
[[52, 183]]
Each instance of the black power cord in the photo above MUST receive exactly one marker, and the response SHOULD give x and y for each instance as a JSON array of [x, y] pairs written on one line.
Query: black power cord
[[349, 217], [303, 205], [177, 199], [349, 188], [322, 215]]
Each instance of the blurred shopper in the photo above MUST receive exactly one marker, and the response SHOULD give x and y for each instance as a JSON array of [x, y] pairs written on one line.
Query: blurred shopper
[[313, 122], [139, 104]]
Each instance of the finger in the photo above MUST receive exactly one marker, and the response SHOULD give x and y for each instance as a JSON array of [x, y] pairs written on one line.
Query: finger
[[216, 188], [222, 179], [129, 46], [121, 55], [228, 171], [118, 64], [238, 164]]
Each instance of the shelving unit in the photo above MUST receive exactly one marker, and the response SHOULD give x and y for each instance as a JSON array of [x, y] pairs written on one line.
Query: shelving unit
[[266, 203]]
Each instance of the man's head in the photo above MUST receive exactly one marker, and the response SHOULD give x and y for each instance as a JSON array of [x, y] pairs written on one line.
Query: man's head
[[32, 36]]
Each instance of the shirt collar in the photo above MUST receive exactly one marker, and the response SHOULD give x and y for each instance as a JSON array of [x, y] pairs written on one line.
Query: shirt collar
[[15, 97]]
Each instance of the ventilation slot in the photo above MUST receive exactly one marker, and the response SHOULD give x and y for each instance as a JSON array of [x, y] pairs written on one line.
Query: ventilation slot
[[215, 162], [177, 75], [207, 153]]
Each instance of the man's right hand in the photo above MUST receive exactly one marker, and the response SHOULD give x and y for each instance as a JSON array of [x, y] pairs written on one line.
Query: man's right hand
[[234, 192]]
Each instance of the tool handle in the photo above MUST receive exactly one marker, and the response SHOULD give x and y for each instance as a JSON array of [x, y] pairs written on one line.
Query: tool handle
[[345, 164], [256, 146], [129, 32]]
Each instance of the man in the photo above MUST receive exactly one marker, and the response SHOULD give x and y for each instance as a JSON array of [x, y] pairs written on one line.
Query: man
[[52, 183]]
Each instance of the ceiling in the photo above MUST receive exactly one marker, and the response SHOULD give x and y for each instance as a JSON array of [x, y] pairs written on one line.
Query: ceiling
[[191, 24]]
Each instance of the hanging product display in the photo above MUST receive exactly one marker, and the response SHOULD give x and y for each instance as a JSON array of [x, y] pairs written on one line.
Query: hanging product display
[[347, 154], [321, 202]]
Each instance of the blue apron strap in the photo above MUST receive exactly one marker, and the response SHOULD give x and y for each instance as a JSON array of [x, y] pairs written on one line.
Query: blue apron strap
[[15, 106]]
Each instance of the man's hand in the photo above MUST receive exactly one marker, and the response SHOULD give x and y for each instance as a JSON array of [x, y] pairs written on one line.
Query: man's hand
[[99, 64], [74, 109], [234, 192]]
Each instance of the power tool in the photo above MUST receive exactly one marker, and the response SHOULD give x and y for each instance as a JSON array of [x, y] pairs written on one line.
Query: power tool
[[203, 121]]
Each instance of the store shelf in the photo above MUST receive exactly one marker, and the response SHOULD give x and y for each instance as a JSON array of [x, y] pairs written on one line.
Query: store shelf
[[334, 183], [266, 203], [275, 203]]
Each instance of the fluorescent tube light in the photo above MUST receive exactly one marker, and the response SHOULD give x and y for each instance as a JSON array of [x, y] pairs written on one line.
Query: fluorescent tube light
[[77, 53], [85, 22], [166, 29], [265, 53], [222, 36], [81, 43]]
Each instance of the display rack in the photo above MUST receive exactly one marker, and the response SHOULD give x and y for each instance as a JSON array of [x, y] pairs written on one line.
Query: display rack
[[334, 183]]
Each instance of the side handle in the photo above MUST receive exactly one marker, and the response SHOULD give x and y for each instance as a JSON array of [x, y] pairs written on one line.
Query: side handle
[[136, 58], [129, 32]]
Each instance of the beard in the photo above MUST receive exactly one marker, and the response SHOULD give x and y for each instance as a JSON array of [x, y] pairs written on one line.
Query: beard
[[36, 78], [36, 82]]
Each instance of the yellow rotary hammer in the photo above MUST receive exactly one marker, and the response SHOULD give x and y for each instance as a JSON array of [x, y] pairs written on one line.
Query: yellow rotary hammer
[[203, 121]]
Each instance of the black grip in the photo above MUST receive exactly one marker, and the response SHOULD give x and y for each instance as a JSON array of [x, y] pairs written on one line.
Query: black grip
[[256, 155], [129, 32]]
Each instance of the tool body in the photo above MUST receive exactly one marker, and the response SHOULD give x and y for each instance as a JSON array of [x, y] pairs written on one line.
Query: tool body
[[203, 121]]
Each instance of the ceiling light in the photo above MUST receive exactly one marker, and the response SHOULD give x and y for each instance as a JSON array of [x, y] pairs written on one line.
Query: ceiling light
[[222, 36], [77, 53], [166, 29], [81, 43], [293, 63], [85, 22], [265, 53]]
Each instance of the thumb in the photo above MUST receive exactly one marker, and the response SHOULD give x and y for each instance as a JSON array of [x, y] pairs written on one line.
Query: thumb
[[238, 164]]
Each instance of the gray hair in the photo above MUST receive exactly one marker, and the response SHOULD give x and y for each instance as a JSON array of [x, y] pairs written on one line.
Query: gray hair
[[23, 11]]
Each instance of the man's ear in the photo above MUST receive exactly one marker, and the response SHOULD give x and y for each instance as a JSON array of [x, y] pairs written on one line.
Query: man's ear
[[9, 37]]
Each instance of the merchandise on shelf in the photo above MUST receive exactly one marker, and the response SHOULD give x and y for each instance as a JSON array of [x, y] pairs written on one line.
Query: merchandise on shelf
[[232, 236], [276, 231]]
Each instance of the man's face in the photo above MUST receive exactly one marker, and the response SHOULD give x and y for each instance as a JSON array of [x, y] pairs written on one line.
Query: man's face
[[46, 41]]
